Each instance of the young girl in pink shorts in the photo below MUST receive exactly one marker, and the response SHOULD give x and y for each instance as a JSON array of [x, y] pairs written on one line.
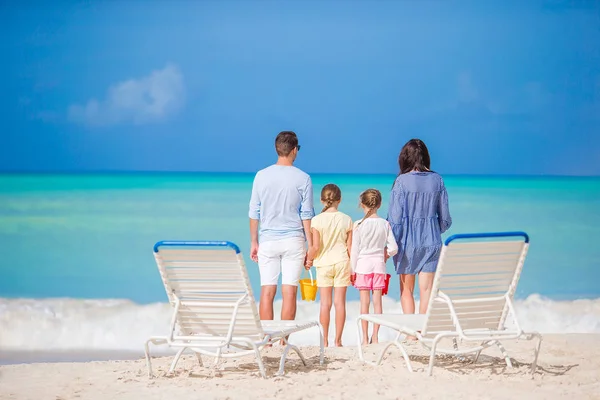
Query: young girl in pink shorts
[[372, 243]]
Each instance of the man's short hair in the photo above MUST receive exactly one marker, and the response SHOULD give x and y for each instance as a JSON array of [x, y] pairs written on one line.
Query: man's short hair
[[285, 142]]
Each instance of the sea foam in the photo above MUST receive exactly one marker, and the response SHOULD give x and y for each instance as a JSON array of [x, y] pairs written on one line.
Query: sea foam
[[55, 325]]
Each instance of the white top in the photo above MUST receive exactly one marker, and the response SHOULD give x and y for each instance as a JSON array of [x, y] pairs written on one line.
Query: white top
[[369, 240]]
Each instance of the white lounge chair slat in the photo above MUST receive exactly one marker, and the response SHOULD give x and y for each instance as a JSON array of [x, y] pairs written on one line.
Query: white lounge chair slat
[[473, 279], [471, 299], [189, 276], [203, 270], [201, 266], [221, 324], [242, 318], [214, 307], [164, 253], [465, 259], [219, 328], [487, 246], [188, 258], [462, 290], [478, 268], [201, 297], [233, 287], [186, 279], [481, 311], [192, 293]]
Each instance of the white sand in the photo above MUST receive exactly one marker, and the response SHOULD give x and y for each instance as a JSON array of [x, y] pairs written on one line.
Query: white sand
[[569, 366]]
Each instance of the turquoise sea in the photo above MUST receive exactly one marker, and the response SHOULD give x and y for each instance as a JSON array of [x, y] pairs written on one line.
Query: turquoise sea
[[68, 238]]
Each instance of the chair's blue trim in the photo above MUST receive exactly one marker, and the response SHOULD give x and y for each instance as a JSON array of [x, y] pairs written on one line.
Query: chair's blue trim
[[486, 235], [206, 243]]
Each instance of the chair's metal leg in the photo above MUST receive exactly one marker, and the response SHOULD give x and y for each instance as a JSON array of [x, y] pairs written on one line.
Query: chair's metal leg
[[156, 341], [358, 331], [476, 357], [404, 353], [322, 345], [537, 352], [199, 357], [504, 353], [380, 358], [455, 346], [282, 360], [259, 360], [147, 353], [176, 359], [218, 357], [297, 350], [432, 355]]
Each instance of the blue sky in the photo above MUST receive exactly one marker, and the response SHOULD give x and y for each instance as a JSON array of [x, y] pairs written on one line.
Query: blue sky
[[492, 87]]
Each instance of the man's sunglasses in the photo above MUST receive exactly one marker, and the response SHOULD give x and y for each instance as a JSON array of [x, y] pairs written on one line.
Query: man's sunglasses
[[298, 147]]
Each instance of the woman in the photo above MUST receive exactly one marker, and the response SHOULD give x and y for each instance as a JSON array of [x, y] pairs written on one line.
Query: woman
[[419, 214]]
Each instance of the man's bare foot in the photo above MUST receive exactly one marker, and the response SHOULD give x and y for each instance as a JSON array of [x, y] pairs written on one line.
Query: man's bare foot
[[374, 340], [326, 343], [338, 344]]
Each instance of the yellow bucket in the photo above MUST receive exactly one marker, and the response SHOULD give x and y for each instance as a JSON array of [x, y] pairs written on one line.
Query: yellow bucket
[[308, 288]]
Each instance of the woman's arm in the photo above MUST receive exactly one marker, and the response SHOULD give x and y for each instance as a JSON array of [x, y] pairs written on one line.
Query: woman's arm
[[391, 246], [444, 218], [396, 212]]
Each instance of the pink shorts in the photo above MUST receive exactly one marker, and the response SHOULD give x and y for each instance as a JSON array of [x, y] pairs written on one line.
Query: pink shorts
[[370, 281]]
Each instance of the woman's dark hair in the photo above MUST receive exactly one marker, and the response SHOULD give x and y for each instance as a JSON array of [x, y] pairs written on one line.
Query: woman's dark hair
[[414, 156]]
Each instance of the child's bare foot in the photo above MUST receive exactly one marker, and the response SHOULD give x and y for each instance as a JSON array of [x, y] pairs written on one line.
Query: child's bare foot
[[365, 342], [374, 340], [338, 343]]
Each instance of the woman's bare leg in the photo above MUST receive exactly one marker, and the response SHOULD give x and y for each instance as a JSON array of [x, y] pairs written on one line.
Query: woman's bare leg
[[425, 285], [377, 307], [407, 299], [325, 315], [365, 300], [339, 300]]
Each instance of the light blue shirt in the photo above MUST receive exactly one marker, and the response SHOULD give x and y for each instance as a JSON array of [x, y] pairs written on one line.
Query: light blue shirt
[[282, 197]]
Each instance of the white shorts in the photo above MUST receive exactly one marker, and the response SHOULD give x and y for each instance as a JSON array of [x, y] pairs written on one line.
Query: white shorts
[[285, 257]]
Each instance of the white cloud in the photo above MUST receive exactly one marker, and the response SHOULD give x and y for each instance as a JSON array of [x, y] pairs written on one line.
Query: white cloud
[[140, 101]]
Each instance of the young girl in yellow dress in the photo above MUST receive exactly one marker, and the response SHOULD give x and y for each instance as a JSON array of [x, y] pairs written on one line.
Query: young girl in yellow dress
[[332, 238]]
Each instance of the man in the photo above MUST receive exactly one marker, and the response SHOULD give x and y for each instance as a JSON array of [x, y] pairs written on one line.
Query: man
[[282, 200]]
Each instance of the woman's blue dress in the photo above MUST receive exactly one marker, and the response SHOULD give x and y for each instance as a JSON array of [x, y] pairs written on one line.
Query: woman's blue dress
[[418, 213]]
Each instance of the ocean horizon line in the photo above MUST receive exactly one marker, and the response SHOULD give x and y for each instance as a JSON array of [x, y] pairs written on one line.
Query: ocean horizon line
[[247, 173]]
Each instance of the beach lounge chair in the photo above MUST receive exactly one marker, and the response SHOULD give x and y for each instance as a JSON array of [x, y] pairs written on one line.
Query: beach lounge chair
[[471, 300], [214, 310]]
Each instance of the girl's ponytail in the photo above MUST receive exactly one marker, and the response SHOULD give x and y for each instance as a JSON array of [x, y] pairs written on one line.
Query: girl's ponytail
[[329, 195]]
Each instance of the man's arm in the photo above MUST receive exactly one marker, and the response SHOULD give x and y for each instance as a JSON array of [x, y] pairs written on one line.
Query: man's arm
[[254, 214], [307, 233], [307, 211], [254, 239], [313, 247]]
